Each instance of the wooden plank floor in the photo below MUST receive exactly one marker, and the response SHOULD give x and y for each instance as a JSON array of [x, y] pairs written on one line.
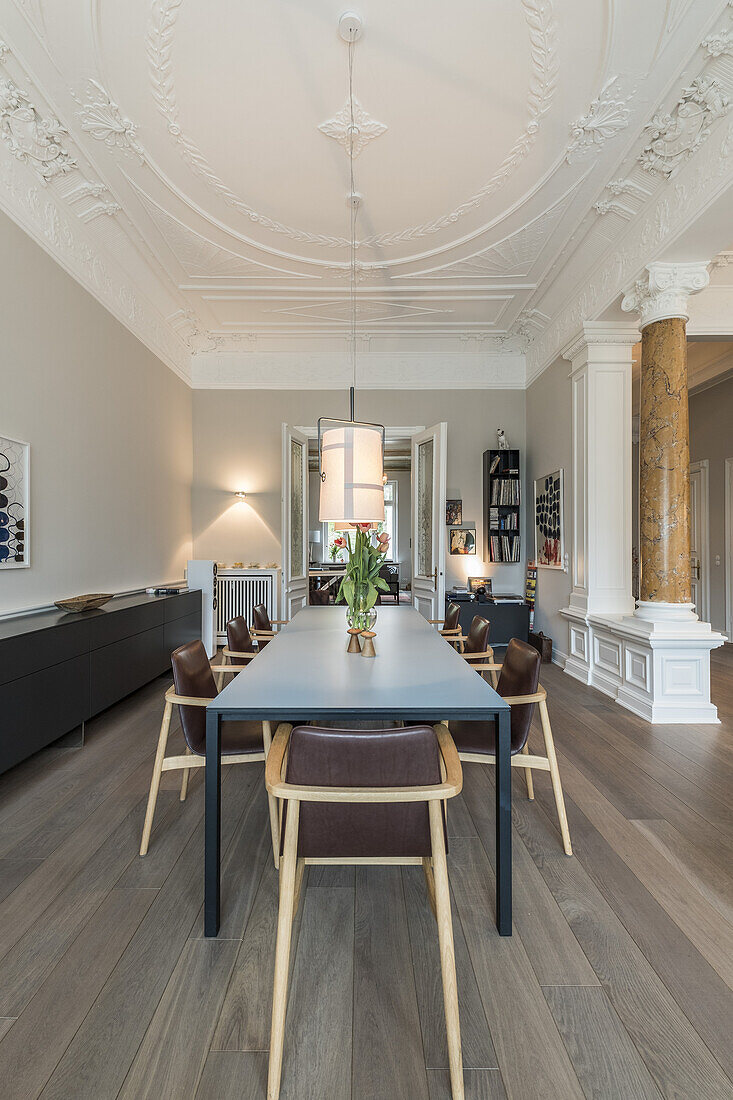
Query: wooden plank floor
[[616, 983]]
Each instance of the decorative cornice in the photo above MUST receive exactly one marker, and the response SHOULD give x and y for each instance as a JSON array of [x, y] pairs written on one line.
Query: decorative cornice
[[544, 59], [31, 138], [718, 44], [103, 120], [37, 211], [675, 137], [607, 115], [668, 215], [600, 334], [663, 291], [366, 128], [613, 203]]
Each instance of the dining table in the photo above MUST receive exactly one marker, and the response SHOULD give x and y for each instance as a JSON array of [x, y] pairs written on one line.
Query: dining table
[[305, 674]]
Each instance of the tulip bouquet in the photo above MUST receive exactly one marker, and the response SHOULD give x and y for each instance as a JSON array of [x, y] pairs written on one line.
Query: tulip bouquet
[[362, 583], [337, 545]]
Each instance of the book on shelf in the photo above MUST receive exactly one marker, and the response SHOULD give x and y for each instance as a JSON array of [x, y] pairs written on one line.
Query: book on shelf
[[505, 492], [495, 464]]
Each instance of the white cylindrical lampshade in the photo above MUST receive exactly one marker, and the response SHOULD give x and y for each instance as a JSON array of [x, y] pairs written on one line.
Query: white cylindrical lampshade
[[352, 462]]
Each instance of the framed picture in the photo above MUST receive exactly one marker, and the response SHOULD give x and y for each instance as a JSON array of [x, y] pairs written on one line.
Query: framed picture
[[14, 494], [453, 512], [549, 535], [463, 540], [475, 583]]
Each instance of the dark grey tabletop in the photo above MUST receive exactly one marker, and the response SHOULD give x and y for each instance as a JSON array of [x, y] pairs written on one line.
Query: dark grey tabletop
[[306, 673]]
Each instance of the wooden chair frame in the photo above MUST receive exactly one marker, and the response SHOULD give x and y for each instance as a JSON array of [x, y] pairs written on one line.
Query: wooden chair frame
[[454, 634], [191, 760], [486, 655], [436, 875], [525, 759]]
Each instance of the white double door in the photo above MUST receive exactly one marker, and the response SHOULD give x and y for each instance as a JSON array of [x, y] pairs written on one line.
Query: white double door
[[429, 475]]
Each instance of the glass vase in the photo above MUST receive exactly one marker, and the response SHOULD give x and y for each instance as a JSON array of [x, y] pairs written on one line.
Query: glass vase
[[357, 615]]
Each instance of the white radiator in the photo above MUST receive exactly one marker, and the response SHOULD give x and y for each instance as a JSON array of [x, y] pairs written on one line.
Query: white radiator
[[239, 590]]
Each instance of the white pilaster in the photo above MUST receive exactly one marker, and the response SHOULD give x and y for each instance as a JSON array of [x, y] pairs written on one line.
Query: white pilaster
[[600, 374]]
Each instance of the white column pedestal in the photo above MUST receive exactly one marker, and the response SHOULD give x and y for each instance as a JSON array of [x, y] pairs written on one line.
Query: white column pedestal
[[660, 669]]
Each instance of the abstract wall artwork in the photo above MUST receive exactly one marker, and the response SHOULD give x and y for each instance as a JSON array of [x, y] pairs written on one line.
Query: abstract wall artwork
[[548, 521], [463, 540], [14, 488], [453, 512]]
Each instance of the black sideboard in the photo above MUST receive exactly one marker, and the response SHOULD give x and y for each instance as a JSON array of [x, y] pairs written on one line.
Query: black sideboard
[[58, 670], [508, 620]]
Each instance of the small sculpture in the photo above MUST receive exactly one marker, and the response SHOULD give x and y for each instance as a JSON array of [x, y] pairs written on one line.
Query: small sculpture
[[503, 442]]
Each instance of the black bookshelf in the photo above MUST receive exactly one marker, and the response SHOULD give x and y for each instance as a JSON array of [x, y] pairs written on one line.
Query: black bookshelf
[[502, 507]]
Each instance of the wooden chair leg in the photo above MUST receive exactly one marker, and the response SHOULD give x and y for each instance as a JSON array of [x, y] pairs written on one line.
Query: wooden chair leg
[[528, 776], [555, 777], [430, 884], [220, 675], [447, 952], [299, 871], [272, 802], [155, 781], [184, 779], [282, 950]]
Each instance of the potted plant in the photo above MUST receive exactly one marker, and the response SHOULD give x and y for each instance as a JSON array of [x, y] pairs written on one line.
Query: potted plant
[[337, 546], [362, 583]]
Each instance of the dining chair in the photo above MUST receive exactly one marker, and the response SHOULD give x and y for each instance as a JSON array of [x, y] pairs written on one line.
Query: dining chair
[[193, 689], [239, 649], [518, 684], [450, 625], [476, 643], [262, 625], [363, 797]]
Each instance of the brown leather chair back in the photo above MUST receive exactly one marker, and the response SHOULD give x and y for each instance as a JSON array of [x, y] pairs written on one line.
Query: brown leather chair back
[[452, 616], [520, 675], [477, 640], [239, 639], [260, 618], [363, 758], [192, 676]]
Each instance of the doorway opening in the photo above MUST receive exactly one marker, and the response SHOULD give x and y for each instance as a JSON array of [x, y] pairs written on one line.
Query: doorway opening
[[415, 471]]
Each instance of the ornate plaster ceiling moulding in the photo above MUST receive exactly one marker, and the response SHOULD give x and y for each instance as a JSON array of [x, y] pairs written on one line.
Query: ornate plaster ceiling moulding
[[201, 258], [366, 128], [103, 120], [614, 203], [543, 82], [515, 255], [92, 200], [718, 44], [5, 50], [31, 138], [37, 212], [607, 115], [672, 212], [664, 290], [675, 137]]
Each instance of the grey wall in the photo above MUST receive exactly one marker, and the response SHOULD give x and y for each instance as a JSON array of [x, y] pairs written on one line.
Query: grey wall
[[711, 438], [237, 443], [549, 447], [110, 432]]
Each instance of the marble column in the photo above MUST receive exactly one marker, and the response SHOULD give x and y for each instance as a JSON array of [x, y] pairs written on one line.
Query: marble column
[[660, 299]]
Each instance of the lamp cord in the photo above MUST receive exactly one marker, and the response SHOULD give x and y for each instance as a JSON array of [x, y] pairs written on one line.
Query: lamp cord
[[353, 209]]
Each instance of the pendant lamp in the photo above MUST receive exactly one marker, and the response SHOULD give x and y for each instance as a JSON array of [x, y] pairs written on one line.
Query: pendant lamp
[[351, 452]]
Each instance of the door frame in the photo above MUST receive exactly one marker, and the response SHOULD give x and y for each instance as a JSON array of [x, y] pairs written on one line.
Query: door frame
[[438, 432], [703, 467], [288, 432], [729, 548]]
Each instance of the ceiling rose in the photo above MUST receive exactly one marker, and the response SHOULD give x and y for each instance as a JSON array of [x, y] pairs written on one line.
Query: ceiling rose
[[365, 128], [544, 61]]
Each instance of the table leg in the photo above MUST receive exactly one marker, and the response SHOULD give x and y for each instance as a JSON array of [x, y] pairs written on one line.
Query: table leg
[[212, 840], [504, 825]]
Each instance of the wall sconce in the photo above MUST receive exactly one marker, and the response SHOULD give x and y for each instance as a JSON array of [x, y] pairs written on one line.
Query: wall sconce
[[241, 495]]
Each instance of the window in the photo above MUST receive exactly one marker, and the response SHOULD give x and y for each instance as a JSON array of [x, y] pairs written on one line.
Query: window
[[389, 525]]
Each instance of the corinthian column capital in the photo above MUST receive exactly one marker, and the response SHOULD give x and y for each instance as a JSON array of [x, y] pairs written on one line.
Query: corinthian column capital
[[664, 289]]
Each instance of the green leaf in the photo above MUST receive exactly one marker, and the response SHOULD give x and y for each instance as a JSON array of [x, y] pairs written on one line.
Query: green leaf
[[347, 589], [371, 597], [381, 584]]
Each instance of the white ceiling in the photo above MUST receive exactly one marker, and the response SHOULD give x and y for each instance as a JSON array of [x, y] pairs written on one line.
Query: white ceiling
[[204, 155]]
